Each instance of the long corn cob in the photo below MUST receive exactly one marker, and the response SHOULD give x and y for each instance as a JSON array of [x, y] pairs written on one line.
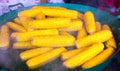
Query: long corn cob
[[84, 56], [26, 36], [81, 33], [89, 22], [98, 26], [50, 23], [45, 58], [104, 55], [34, 52], [17, 20], [100, 36], [16, 27]]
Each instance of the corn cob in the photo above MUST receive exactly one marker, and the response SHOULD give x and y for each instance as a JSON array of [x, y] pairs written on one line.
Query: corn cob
[[100, 36], [4, 37], [84, 56], [45, 58], [50, 23], [22, 45], [17, 20], [81, 33], [105, 27], [89, 22], [98, 26], [16, 27], [40, 16], [53, 41], [104, 55], [75, 26], [26, 36], [69, 54], [34, 52]]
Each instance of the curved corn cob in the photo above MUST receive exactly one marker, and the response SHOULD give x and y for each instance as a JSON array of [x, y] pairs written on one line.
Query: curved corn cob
[[81, 33], [84, 56], [100, 36], [34, 52], [98, 26], [45, 58], [104, 55], [89, 22]]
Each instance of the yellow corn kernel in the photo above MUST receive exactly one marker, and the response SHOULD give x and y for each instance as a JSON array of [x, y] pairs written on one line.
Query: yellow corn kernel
[[104, 55], [68, 54], [17, 20], [45, 58], [105, 27], [50, 23], [22, 45], [98, 26], [84, 56], [4, 37], [89, 22], [40, 16], [26, 36], [100, 36], [75, 26], [81, 33], [53, 41], [34, 52], [16, 27]]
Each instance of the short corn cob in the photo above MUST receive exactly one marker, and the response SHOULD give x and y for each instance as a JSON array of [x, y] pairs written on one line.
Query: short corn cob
[[84, 56], [75, 26], [4, 37], [53, 41], [81, 33], [26, 36], [50, 23], [100, 36], [68, 54], [16, 27], [34, 52], [104, 55], [89, 22], [40, 16], [45, 58], [17, 20], [98, 26]]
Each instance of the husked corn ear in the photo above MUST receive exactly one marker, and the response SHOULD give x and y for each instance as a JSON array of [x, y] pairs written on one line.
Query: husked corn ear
[[75, 26], [34, 52], [104, 55], [98, 26], [50, 23], [84, 56], [100, 36], [68, 54], [53, 41], [45, 58], [81, 33], [17, 20], [89, 22], [22, 45], [16, 27], [4, 37], [40, 16], [26, 36]]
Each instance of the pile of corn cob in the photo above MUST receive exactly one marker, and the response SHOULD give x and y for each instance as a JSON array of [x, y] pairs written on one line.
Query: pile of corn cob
[[44, 30]]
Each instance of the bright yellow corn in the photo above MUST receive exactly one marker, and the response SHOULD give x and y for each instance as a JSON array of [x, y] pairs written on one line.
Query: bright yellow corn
[[26, 36], [89, 22], [68, 54], [17, 20], [53, 41], [98, 26], [104, 55], [50, 23], [100, 36], [16, 27], [81, 33], [75, 26], [45, 58], [84, 56], [40, 16], [34, 52]]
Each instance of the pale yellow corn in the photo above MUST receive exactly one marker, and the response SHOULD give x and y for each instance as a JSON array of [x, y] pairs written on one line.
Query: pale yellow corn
[[26, 36], [34, 52], [53, 41], [50, 23], [84, 56], [45, 58], [98, 26], [89, 22], [81, 33], [16, 27], [68, 54], [40, 16], [100, 36], [17, 20], [104, 55], [75, 26]]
